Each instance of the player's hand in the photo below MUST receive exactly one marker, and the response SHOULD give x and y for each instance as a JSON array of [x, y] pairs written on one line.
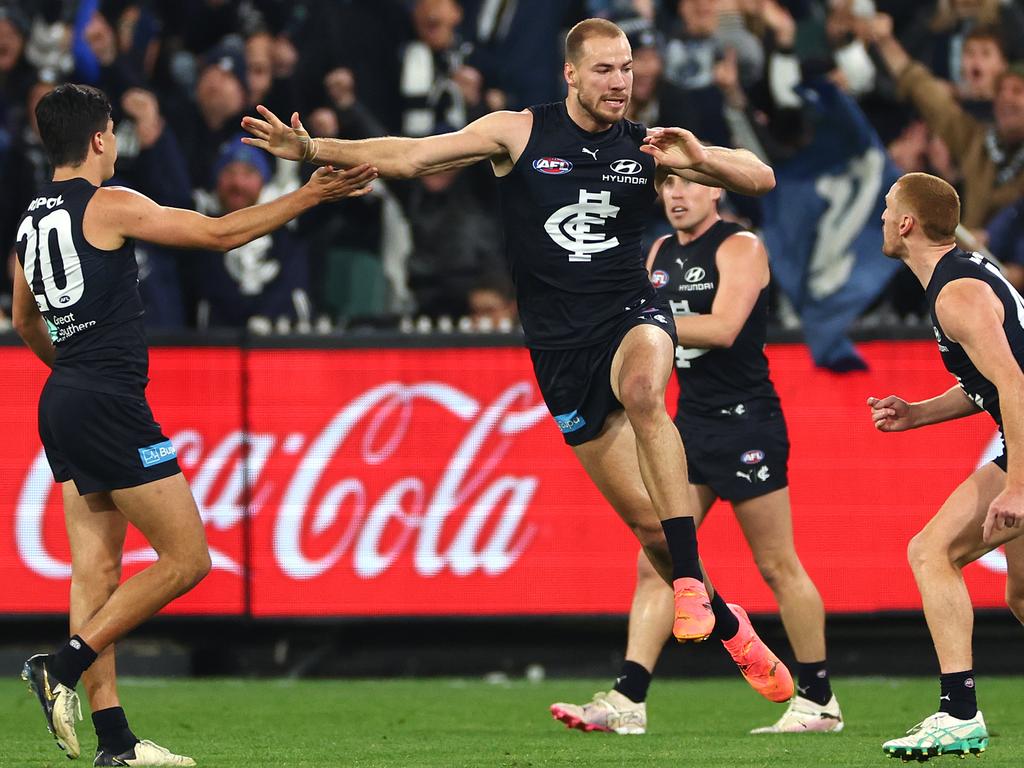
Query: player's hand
[[1005, 511], [674, 148], [289, 142], [329, 184], [890, 414]]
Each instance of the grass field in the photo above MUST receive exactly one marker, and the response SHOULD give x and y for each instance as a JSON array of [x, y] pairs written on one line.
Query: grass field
[[446, 722]]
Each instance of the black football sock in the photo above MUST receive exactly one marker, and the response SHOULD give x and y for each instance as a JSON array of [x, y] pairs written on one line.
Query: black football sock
[[813, 682], [681, 535], [68, 664], [958, 697], [726, 623], [633, 681], [112, 731]]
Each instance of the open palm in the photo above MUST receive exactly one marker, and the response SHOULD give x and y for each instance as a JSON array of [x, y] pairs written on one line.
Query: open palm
[[289, 142]]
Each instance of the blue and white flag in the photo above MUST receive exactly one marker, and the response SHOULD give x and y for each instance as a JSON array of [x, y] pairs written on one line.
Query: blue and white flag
[[822, 224]]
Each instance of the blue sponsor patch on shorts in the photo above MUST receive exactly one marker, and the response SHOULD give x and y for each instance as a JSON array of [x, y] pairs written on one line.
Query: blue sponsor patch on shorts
[[570, 422], [157, 453]]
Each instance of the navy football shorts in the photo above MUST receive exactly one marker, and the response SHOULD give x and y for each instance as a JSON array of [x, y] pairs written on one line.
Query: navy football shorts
[[576, 383], [739, 457], [102, 441]]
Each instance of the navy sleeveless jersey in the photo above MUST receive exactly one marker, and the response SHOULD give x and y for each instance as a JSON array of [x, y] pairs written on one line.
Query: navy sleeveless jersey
[[574, 209], [713, 380], [89, 297], [958, 264]]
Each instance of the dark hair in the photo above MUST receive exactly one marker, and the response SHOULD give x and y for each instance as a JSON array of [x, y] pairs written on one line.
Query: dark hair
[[991, 33], [68, 117]]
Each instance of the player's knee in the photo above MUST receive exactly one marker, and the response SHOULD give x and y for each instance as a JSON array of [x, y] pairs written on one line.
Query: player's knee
[[650, 535], [187, 571], [779, 573], [100, 576], [642, 398], [922, 551]]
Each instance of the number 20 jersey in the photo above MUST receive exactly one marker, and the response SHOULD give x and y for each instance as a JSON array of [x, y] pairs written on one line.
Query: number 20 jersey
[[89, 297], [575, 207]]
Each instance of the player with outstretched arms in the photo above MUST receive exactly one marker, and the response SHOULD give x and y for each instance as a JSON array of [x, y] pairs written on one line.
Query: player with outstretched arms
[[77, 306], [978, 319], [577, 182]]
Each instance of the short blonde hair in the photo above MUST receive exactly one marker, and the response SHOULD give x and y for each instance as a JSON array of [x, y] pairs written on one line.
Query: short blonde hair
[[933, 202], [585, 30]]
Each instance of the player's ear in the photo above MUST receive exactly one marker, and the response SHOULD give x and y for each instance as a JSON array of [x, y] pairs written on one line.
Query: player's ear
[[96, 143], [570, 74]]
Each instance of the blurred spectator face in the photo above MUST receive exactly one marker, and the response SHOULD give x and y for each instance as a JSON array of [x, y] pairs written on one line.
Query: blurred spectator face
[[435, 22], [699, 16], [981, 64], [1009, 108], [603, 77], [647, 67], [490, 305], [35, 94], [238, 186], [220, 95], [11, 45], [688, 205], [259, 66]]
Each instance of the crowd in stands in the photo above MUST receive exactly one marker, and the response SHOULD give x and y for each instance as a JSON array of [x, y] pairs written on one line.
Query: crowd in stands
[[941, 83]]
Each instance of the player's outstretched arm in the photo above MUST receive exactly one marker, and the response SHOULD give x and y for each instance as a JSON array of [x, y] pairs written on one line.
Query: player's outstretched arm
[[894, 414], [27, 319], [679, 151], [393, 156], [132, 215], [972, 316], [742, 274]]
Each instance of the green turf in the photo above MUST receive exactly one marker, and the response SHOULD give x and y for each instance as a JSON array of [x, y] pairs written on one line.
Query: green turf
[[407, 723]]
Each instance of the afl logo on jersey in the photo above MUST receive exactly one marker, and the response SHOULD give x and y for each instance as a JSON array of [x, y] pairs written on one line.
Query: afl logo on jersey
[[552, 166], [626, 167], [694, 275], [752, 457], [659, 278]]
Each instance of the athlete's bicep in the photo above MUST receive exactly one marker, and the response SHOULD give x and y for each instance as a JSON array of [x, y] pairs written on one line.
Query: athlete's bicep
[[742, 274], [133, 215], [486, 138]]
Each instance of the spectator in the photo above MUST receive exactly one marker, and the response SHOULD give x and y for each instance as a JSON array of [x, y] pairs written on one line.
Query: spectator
[[937, 38], [492, 302], [454, 241], [221, 96], [432, 65], [655, 100], [703, 36], [982, 63], [17, 76], [1006, 241], [150, 161], [518, 47], [267, 278], [991, 160]]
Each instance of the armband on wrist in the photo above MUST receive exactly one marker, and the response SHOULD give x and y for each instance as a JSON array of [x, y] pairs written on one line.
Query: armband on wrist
[[310, 151]]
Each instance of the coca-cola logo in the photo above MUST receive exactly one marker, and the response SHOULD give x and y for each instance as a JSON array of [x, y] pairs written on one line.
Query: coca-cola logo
[[327, 495]]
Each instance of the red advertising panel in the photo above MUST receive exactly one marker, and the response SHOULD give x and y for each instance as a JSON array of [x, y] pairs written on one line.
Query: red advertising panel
[[433, 481], [196, 397]]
